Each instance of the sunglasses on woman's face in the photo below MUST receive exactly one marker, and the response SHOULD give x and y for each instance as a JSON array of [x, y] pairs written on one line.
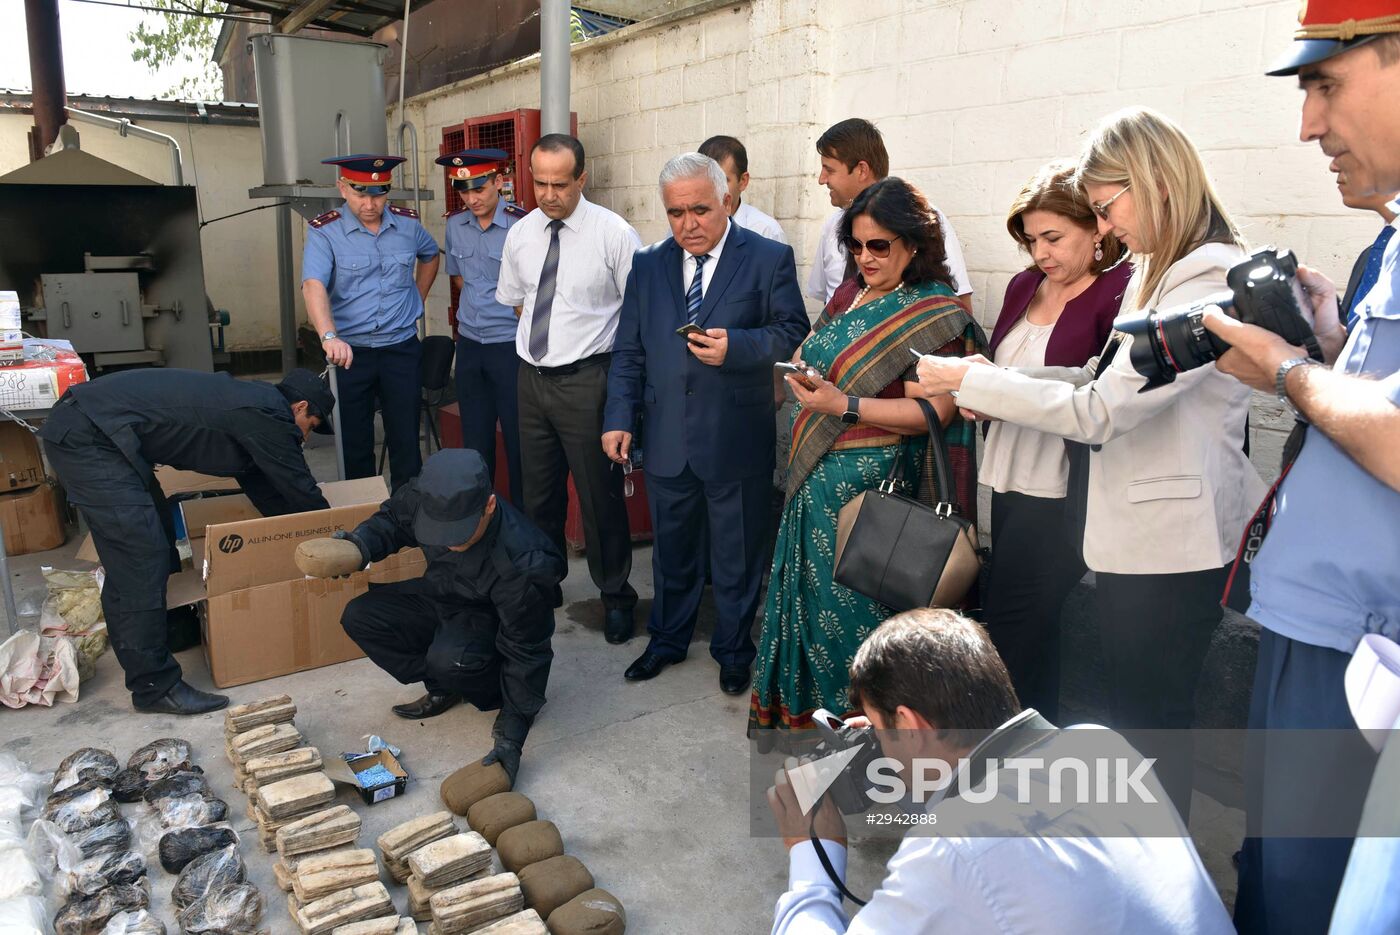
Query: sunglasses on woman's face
[[1101, 207], [879, 249]]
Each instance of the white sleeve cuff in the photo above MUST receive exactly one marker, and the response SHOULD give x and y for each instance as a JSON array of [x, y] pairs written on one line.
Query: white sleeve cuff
[[805, 868]]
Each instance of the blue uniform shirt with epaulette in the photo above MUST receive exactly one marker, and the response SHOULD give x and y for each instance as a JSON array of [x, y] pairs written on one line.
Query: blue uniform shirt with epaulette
[[374, 299], [475, 255]]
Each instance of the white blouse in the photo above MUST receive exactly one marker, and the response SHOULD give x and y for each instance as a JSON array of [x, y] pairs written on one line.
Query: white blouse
[[1018, 459]]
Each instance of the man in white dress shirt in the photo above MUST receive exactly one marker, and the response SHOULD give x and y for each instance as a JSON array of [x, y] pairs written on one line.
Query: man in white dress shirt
[[853, 158], [932, 683], [564, 269], [733, 158]]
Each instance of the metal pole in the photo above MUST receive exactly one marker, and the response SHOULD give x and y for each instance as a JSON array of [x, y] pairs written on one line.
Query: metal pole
[[11, 614], [45, 74], [335, 421], [286, 299], [554, 66]]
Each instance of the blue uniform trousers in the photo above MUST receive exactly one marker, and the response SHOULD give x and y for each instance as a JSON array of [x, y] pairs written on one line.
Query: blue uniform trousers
[[390, 377], [487, 392]]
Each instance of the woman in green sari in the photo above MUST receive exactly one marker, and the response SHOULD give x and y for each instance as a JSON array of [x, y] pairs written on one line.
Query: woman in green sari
[[845, 435]]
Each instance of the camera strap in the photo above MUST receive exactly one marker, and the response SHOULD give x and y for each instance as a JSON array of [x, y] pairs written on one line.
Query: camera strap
[[826, 861], [1236, 594]]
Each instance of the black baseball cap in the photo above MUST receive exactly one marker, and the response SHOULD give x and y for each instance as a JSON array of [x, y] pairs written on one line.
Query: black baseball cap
[[302, 384], [453, 489]]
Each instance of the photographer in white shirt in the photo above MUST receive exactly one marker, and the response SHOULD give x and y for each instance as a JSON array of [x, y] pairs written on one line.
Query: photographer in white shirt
[[919, 674]]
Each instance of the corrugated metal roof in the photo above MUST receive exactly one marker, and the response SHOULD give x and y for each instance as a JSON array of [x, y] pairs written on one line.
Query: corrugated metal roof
[[361, 17], [212, 112]]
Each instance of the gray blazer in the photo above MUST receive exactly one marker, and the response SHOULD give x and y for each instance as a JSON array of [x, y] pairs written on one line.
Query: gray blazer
[[1170, 490]]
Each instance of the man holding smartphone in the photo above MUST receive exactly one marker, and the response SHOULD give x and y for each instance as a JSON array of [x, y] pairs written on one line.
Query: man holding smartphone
[[704, 316]]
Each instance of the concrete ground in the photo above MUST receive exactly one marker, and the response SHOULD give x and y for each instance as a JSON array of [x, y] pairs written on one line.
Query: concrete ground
[[648, 783]]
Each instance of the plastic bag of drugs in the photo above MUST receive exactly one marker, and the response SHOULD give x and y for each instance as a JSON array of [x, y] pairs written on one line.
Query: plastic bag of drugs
[[203, 875], [23, 916], [18, 875], [88, 915], [129, 785], [94, 874], [184, 782], [87, 763], [21, 788], [190, 811], [73, 609], [177, 848], [92, 808], [102, 839], [160, 758], [228, 910], [140, 922], [51, 850]]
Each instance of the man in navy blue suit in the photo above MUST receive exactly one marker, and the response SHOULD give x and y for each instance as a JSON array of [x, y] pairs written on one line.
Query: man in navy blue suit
[[705, 315]]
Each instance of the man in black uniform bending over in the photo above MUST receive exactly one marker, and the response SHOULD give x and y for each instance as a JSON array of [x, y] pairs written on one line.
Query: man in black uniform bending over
[[477, 625], [104, 439]]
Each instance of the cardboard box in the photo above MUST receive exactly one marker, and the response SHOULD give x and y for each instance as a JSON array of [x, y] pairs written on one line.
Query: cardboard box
[[21, 464], [45, 372], [262, 618], [346, 772], [32, 520]]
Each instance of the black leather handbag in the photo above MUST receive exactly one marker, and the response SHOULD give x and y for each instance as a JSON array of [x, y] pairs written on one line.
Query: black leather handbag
[[903, 553]]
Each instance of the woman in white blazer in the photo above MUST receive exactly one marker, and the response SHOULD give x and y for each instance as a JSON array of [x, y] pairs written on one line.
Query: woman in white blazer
[[1169, 485]]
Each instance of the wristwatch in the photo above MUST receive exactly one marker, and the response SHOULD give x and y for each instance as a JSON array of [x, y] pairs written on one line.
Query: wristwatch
[[852, 414], [1281, 382], [327, 336]]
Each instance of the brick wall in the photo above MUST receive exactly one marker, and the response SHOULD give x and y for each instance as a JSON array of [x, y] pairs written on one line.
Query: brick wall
[[972, 96]]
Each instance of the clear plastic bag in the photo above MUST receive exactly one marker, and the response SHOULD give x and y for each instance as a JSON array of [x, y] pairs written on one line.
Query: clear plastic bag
[[139, 922], [25, 787], [229, 910], [18, 875], [113, 836], [203, 875], [177, 848], [129, 785], [184, 782], [73, 609], [160, 758], [91, 876], [88, 915], [87, 763], [92, 808], [52, 851], [23, 916], [189, 811]]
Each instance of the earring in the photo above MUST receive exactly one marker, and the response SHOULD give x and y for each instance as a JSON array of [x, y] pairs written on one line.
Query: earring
[[1098, 251]]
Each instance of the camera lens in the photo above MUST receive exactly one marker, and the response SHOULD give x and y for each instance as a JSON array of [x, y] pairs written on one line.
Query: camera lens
[[1169, 342]]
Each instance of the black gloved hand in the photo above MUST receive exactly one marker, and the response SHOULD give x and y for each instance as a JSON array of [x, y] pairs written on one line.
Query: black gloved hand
[[351, 537], [507, 753]]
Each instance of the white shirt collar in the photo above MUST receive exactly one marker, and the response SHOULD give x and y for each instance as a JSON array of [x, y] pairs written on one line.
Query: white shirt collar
[[716, 250], [574, 222]]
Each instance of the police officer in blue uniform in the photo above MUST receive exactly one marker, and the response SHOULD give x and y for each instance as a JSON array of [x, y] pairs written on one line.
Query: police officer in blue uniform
[[486, 357], [365, 274]]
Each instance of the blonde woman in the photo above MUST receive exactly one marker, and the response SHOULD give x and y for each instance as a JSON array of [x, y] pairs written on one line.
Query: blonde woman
[[1169, 487]]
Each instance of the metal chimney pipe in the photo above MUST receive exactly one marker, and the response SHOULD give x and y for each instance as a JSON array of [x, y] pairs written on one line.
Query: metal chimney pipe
[[45, 74], [554, 66]]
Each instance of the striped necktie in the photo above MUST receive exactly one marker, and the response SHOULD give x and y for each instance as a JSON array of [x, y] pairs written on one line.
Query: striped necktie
[[694, 296], [544, 296]]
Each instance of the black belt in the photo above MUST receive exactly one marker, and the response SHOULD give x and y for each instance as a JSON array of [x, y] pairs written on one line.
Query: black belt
[[565, 370]]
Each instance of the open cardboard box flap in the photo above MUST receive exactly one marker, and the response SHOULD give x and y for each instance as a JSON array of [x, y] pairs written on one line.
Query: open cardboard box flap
[[172, 481]]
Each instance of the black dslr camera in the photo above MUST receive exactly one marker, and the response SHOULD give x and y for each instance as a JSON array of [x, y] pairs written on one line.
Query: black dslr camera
[[1264, 291], [848, 791]]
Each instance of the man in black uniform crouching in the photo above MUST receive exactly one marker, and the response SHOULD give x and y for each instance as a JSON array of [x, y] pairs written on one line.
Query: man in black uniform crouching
[[104, 439], [477, 625]]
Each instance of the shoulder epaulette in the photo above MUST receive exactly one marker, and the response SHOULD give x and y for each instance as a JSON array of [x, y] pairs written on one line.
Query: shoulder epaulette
[[453, 214], [404, 212], [515, 211], [324, 219]]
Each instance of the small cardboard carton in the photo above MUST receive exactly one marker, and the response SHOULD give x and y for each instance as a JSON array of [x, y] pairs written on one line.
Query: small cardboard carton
[[32, 520], [347, 772], [262, 618], [21, 465]]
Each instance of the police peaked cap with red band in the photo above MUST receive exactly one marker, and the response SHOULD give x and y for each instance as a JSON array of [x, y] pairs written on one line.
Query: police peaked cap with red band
[[471, 168], [1331, 27], [370, 174]]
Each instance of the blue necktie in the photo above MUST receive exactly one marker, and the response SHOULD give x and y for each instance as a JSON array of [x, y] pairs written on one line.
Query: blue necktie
[[694, 296], [1370, 274]]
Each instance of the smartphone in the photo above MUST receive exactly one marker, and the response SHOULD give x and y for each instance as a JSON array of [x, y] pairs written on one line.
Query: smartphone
[[803, 375], [688, 329]]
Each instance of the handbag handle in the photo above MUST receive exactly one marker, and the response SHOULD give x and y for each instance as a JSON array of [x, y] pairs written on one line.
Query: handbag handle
[[942, 471]]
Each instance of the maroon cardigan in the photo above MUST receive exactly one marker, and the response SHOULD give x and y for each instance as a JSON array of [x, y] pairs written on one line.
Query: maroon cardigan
[[1083, 327]]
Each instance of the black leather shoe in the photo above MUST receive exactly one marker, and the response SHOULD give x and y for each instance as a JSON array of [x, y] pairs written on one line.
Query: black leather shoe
[[430, 705], [647, 666], [617, 628], [184, 698], [734, 679]]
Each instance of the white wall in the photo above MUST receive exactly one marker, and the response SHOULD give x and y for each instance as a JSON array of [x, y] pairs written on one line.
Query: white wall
[[972, 96], [240, 256]]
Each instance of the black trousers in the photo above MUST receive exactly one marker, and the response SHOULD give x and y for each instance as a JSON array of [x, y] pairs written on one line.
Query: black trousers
[[738, 514], [1034, 567], [447, 647], [561, 431], [132, 529], [390, 378], [488, 382], [1156, 630]]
